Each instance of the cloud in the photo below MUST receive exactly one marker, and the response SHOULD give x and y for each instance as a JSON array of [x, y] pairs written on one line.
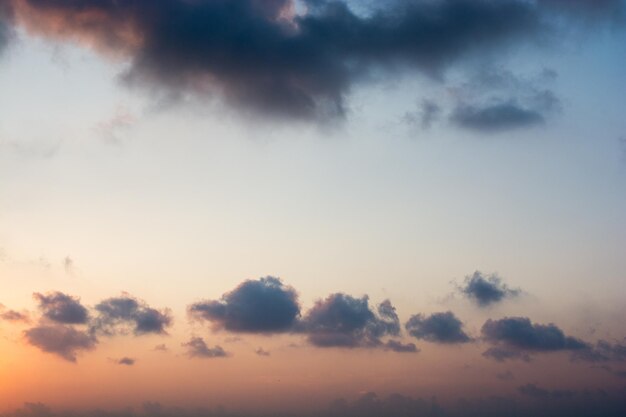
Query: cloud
[[62, 308], [64, 341], [533, 391], [486, 290], [68, 265], [496, 116], [126, 361], [265, 305], [427, 114], [396, 346], [341, 320], [161, 348], [6, 28], [13, 315], [262, 352], [438, 328], [503, 354], [197, 348], [518, 337], [114, 314], [505, 376], [278, 60], [603, 351]]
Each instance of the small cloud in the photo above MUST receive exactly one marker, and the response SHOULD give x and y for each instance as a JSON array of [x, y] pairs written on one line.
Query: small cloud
[[427, 114], [112, 129], [126, 310], [500, 354], [261, 352], [64, 341], [62, 308], [496, 117], [13, 315], [399, 347], [486, 290], [197, 348], [68, 265], [161, 348], [443, 328], [126, 361]]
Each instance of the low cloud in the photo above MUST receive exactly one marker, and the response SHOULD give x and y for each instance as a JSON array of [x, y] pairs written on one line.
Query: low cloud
[[265, 305], [603, 351], [13, 315], [197, 348], [396, 346], [262, 352], [62, 308], [126, 361], [64, 341], [341, 320], [443, 328], [487, 290], [518, 337], [496, 116], [117, 314]]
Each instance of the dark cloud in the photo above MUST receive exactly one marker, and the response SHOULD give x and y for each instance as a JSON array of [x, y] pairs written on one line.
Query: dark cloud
[[126, 361], [396, 346], [496, 117], [62, 308], [518, 337], [265, 305], [603, 351], [260, 56], [427, 114], [532, 390], [502, 354], [197, 348], [341, 320], [119, 312], [437, 328], [6, 28], [64, 341], [486, 290]]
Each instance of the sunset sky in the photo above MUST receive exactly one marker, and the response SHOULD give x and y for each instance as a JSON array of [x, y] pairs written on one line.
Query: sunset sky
[[310, 207]]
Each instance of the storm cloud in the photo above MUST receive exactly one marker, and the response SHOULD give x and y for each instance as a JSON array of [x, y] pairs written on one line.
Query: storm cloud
[[341, 320], [518, 337], [437, 328], [62, 308], [486, 290], [197, 348], [265, 305], [117, 313], [275, 59], [64, 341]]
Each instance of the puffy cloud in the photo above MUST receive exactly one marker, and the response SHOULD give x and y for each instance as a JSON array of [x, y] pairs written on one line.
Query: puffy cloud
[[197, 348], [13, 315], [341, 320], [125, 310], [518, 337], [264, 57], [265, 305], [486, 290], [62, 308], [603, 351], [126, 361], [437, 328], [61, 340]]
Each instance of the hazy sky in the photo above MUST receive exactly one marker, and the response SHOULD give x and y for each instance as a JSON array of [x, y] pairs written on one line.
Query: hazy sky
[[268, 205]]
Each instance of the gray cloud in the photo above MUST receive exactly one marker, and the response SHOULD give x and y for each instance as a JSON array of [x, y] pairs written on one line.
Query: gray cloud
[[13, 315], [126, 361], [265, 305], [262, 352], [197, 348], [496, 116], [518, 337], [438, 328], [341, 320], [487, 290], [64, 341], [505, 376], [115, 314], [533, 391], [603, 351], [62, 308], [262, 58], [396, 346]]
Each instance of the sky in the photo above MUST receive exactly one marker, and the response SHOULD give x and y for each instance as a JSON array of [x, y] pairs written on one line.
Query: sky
[[312, 208]]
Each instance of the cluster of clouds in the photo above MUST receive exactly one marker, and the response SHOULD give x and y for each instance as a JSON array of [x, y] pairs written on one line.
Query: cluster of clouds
[[66, 327], [267, 306], [299, 59], [531, 400]]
